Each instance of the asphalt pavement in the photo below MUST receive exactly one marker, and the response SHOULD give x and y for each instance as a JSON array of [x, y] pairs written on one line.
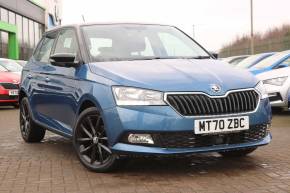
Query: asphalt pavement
[[51, 166]]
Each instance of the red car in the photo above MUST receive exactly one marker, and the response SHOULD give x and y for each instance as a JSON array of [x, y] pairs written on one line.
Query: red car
[[9, 85]]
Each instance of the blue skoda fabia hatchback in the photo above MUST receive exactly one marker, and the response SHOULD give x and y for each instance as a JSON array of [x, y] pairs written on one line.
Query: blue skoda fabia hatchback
[[123, 89]]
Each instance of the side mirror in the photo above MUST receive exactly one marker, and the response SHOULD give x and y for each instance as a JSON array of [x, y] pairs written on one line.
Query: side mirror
[[64, 60], [215, 55]]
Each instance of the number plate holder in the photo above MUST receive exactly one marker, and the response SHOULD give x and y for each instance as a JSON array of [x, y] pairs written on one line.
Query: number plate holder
[[221, 125]]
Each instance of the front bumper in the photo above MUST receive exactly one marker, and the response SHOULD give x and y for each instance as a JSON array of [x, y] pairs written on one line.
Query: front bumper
[[163, 119], [128, 149], [5, 99], [278, 95]]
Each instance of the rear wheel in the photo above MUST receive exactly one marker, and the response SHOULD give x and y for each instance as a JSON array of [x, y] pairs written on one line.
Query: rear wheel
[[91, 142], [30, 131], [237, 153]]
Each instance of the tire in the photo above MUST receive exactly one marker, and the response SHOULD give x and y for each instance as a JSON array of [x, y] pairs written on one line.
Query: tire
[[238, 153], [30, 131], [91, 143]]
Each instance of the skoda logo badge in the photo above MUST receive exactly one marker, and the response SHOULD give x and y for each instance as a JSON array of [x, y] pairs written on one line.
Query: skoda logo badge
[[215, 88]]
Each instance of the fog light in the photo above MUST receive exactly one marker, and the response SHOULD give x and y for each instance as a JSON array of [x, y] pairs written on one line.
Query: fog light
[[140, 138], [268, 127]]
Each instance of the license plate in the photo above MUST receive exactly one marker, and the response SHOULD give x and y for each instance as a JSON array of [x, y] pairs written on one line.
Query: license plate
[[13, 92], [229, 124]]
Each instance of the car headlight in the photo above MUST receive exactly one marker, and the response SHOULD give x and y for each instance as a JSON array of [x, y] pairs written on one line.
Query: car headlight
[[276, 81], [261, 89], [135, 96]]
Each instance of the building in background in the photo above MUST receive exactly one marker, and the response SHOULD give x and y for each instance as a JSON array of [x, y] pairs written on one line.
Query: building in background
[[22, 23]]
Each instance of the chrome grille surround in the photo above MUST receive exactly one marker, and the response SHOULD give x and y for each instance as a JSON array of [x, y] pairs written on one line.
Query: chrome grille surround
[[258, 98]]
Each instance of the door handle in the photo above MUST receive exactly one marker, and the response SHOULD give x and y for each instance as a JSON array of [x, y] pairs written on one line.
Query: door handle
[[47, 79], [29, 76]]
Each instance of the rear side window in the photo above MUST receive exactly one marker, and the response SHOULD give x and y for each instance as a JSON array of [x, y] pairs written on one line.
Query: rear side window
[[66, 42], [43, 52]]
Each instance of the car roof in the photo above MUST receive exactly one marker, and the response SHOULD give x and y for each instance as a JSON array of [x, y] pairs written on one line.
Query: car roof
[[108, 23]]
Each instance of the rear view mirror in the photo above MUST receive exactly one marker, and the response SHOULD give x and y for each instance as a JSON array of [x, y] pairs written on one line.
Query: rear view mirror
[[64, 60]]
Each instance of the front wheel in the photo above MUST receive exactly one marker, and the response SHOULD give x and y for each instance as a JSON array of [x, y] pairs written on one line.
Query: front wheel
[[91, 143], [237, 153]]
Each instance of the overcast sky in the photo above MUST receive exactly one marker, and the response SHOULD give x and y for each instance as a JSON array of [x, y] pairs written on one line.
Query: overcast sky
[[216, 21]]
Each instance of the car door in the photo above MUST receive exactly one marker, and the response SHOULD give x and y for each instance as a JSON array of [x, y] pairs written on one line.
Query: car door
[[61, 84], [35, 75]]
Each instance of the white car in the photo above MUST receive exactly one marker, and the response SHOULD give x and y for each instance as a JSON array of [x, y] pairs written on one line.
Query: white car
[[277, 85], [21, 62]]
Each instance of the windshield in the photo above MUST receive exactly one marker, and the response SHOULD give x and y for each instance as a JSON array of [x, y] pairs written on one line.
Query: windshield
[[248, 62], [270, 60], [10, 66], [2, 69], [139, 42]]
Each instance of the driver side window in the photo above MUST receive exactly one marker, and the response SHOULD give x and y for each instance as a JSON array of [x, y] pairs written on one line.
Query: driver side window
[[43, 52]]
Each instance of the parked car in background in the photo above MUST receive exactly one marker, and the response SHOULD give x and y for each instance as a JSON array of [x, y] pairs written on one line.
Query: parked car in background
[[234, 60], [252, 60], [125, 89], [289, 100], [278, 60], [10, 65], [21, 62], [9, 85], [277, 85]]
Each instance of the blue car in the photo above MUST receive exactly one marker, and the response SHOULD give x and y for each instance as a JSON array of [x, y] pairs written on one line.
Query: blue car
[[278, 60], [253, 60], [124, 89]]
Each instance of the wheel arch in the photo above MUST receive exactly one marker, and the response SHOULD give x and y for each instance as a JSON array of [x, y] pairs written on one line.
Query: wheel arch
[[88, 101], [22, 94]]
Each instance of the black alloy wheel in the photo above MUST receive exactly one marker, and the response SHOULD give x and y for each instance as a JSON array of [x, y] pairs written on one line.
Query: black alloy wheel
[[24, 120], [91, 142]]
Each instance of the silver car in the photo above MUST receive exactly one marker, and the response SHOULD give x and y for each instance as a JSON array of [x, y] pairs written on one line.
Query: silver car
[[277, 85]]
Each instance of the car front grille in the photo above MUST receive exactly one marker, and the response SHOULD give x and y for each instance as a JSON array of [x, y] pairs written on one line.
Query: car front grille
[[187, 139], [9, 85], [203, 105]]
